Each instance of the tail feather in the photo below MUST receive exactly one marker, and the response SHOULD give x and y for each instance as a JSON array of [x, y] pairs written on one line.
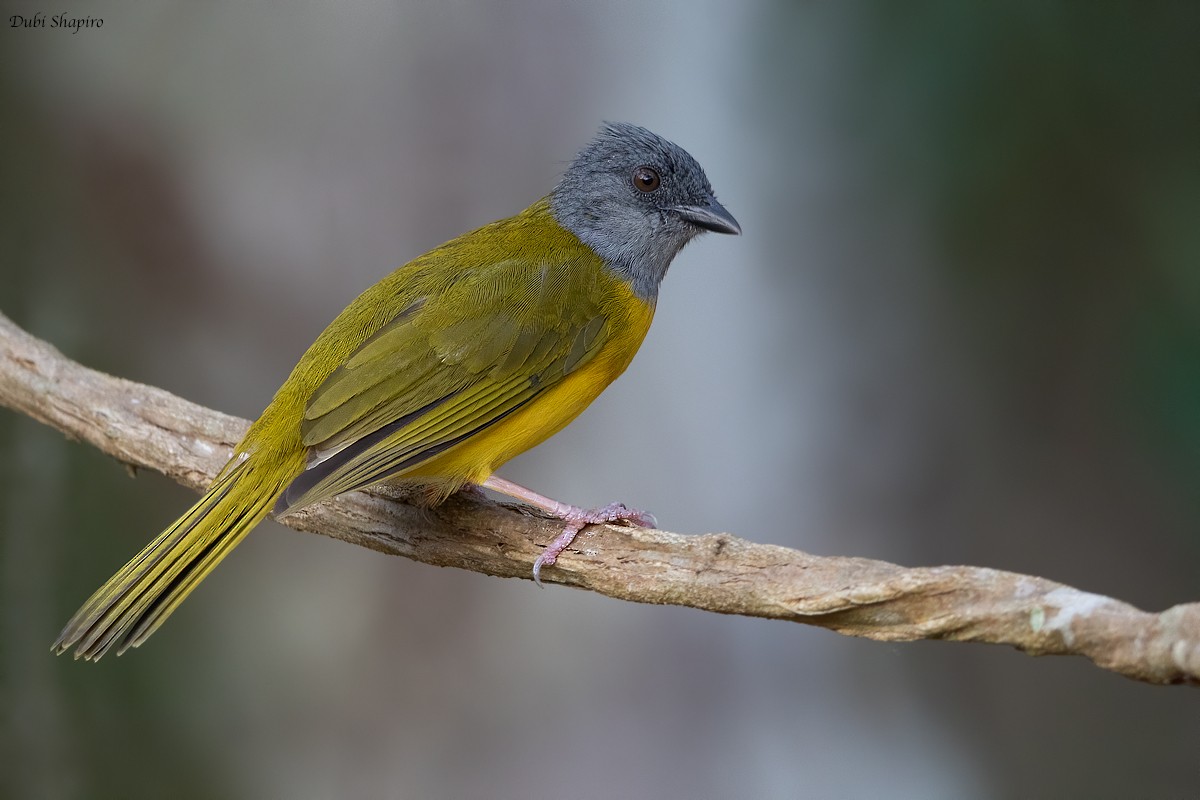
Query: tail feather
[[134, 571], [197, 570], [140, 597], [116, 604]]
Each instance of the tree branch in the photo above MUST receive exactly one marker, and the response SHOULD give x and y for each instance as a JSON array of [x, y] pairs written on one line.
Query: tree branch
[[148, 427]]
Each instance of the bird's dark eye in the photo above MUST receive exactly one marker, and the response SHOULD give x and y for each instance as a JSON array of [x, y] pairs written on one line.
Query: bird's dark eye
[[646, 179]]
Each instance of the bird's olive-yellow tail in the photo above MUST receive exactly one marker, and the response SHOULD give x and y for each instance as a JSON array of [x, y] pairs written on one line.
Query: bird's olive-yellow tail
[[138, 599]]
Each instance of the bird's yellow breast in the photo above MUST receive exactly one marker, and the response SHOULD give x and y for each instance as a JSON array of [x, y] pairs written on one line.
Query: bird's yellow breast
[[477, 458]]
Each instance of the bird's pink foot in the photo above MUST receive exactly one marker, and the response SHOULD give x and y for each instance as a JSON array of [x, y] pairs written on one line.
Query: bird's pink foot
[[577, 519]]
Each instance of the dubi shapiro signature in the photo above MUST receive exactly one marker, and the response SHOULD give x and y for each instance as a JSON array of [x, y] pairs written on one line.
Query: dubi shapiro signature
[[40, 20]]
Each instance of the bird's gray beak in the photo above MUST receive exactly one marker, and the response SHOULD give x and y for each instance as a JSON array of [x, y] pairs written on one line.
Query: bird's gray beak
[[711, 216]]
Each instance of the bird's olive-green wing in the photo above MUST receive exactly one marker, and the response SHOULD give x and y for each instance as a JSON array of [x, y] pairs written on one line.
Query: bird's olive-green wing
[[448, 366]]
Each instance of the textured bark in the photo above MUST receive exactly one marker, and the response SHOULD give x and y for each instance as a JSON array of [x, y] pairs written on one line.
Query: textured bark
[[148, 427]]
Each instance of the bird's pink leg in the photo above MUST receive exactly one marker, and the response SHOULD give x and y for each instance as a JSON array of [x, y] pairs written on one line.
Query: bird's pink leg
[[576, 518]]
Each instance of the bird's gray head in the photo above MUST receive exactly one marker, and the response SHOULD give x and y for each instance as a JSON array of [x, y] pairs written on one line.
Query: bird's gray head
[[637, 199]]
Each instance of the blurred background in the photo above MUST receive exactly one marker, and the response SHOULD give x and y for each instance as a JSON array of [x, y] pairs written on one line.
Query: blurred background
[[962, 326]]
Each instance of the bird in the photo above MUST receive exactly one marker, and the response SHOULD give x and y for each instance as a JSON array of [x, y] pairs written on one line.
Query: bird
[[444, 370]]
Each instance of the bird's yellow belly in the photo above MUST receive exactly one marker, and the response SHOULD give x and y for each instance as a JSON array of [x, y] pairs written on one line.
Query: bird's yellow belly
[[481, 455]]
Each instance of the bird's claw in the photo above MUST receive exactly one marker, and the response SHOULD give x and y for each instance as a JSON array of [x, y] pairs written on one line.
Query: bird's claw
[[577, 519]]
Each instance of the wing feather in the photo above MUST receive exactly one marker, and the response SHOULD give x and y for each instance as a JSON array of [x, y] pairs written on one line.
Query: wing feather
[[450, 365]]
